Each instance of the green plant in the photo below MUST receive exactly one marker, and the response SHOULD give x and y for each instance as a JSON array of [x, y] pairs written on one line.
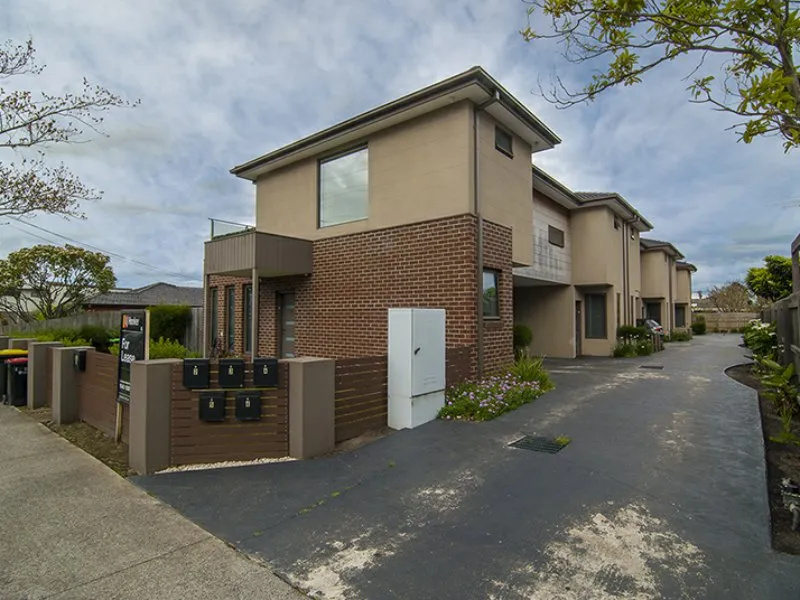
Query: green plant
[[169, 321], [162, 348], [699, 325], [529, 369], [523, 336], [761, 339], [563, 440], [781, 391], [98, 335], [680, 336], [623, 349], [632, 332], [644, 347]]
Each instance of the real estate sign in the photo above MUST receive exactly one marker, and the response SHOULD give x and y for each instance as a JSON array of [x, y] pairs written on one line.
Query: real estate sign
[[132, 346]]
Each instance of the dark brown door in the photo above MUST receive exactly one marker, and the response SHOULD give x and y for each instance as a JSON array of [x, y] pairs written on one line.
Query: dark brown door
[[287, 325], [578, 329]]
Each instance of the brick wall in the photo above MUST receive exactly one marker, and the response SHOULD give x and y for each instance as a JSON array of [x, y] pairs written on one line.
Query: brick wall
[[341, 310], [498, 335]]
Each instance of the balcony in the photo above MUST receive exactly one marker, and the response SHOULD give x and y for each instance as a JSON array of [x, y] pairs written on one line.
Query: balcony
[[237, 250]]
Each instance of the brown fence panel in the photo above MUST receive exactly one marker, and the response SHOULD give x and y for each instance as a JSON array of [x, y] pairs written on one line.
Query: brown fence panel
[[97, 394], [725, 321], [194, 441], [458, 364], [361, 398]]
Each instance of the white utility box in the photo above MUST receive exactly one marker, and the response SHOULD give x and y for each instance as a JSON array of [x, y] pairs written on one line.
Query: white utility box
[[416, 365]]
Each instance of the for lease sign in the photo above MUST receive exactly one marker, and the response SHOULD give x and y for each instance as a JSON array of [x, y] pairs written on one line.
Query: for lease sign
[[132, 346]]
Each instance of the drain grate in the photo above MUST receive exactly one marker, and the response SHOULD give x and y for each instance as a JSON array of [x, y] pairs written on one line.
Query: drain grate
[[537, 444], [651, 367]]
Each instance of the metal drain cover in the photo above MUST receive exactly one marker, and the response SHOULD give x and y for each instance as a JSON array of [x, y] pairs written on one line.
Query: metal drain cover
[[537, 444], [651, 366]]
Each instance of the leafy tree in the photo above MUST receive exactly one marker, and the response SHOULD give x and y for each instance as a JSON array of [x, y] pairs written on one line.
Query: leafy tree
[[29, 120], [732, 297], [773, 281], [758, 43], [52, 281]]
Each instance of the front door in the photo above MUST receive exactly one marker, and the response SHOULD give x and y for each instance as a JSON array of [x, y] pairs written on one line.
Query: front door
[[287, 325], [578, 329]]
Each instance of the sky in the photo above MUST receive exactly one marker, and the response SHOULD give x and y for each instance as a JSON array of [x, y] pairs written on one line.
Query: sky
[[220, 83]]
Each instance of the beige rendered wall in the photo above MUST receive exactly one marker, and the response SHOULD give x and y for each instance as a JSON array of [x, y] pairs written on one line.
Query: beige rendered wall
[[684, 291], [635, 274], [550, 262], [655, 274], [418, 170], [550, 313], [597, 346], [596, 247]]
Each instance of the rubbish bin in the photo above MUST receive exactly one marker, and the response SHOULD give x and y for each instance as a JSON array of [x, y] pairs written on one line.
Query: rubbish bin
[[17, 380], [6, 355]]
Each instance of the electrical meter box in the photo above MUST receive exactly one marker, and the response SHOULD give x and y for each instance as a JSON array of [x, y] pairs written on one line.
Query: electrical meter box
[[231, 372], [416, 365], [195, 373], [248, 406], [212, 406], [265, 372]]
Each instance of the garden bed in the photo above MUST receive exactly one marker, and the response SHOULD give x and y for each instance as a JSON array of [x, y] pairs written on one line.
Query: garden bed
[[783, 460]]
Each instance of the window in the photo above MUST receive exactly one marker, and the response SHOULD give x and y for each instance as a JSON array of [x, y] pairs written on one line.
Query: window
[[555, 236], [343, 188], [213, 308], [503, 141], [595, 316], [680, 315], [491, 305], [248, 317], [230, 317]]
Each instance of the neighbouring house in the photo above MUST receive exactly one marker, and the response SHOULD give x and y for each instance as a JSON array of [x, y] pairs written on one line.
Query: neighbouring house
[[149, 295], [430, 200], [683, 298], [660, 283]]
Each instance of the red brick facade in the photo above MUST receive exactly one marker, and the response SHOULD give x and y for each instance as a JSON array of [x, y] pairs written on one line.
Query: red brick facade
[[341, 309]]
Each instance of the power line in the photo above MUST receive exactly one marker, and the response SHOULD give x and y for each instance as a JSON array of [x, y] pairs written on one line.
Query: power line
[[115, 254]]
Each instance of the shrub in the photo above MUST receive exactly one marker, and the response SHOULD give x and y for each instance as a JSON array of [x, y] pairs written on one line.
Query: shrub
[[699, 325], [529, 369], [162, 348], [644, 347], [761, 339], [783, 393], [680, 336], [490, 397], [632, 332], [523, 336], [169, 321], [623, 349], [98, 336]]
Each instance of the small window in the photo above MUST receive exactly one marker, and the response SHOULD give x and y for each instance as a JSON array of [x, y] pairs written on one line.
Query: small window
[[556, 236], [230, 317], [503, 141], [596, 316], [213, 308], [344, 188], [680, 315], [491, 304], [248, 317]]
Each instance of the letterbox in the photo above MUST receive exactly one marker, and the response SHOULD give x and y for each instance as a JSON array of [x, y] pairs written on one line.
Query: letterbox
[[248, 406], [265, 372], [195, 373], [231, 372], [212, 406], [79, 360]]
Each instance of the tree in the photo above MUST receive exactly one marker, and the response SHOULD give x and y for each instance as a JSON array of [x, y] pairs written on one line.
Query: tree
[[29, 120], [731, 297], [50, 282], [773, 281], [758, 43]]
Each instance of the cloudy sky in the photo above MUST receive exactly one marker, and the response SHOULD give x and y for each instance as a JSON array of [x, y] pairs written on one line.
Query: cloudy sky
[[223, 82]]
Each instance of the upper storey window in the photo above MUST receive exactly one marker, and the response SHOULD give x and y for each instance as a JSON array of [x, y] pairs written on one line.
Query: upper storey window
[[343, 188]]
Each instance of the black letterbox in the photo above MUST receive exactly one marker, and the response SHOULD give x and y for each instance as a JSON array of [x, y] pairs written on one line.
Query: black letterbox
[[195, 373], [231, 372], [265, 372], [79, 360], [248, 406], [212, 406]]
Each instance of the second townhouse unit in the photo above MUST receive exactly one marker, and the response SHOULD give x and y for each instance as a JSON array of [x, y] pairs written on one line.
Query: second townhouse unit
[[427, 201]]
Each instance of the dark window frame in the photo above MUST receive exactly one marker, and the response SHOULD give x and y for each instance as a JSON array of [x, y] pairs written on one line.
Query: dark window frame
[[559, 232], [589, 332], [330, 158], [491, 314], [498, 132], [247, 319], [214, 310], [230, 317], [683, 310]]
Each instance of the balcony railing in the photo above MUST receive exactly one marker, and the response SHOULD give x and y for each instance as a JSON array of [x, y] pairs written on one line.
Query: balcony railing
[[221, 228]]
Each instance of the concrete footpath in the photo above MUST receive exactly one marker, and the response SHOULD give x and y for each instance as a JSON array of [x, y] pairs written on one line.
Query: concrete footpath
[[70, 528]]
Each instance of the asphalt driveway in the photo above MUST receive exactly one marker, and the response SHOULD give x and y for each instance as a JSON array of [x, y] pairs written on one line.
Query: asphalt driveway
[[661, 494]]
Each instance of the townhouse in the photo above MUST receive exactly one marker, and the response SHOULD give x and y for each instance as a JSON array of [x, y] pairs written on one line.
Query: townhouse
[[430, 200]]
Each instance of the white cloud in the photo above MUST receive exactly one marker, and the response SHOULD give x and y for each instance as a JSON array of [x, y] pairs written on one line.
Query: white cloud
[[220, 83]]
